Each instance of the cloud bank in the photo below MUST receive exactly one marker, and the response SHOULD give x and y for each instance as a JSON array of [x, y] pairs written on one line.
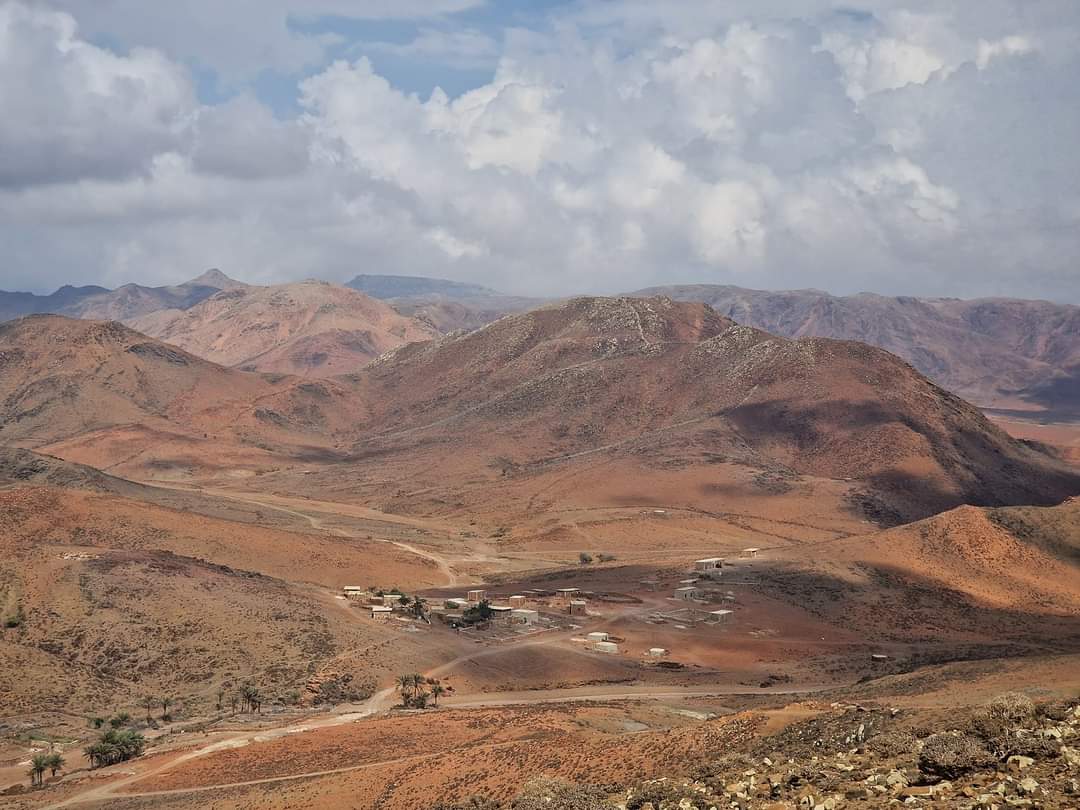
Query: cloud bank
[[882, 146]]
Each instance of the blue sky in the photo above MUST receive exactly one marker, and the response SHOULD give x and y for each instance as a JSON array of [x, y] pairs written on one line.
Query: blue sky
[[411, 72]]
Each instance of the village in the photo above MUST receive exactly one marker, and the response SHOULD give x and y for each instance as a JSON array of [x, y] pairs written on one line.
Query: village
[[700, 598]]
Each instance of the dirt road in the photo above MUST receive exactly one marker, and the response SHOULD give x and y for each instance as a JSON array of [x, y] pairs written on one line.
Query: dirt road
[[381, 702]]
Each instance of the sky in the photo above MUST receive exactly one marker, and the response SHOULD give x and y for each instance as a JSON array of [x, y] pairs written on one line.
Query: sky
[[552, 147]]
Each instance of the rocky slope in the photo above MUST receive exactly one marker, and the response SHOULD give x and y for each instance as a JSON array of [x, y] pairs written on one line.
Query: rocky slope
[[1011, 752], [1004, 353], [61, 377], [966, 571], [104, 599], [669, 385], [310, 329], [595, 374]]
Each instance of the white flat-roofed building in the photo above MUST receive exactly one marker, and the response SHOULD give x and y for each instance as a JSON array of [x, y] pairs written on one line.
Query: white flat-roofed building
[[598, 636], [719, 616], [606, 647], [477, 595], [516, 601], [524, 616], [381, 612], [657, 652], [709, 567], [577, 607], [751, 552]]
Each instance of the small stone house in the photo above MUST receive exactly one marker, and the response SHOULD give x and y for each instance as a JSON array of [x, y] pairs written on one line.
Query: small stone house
[[688, 593]]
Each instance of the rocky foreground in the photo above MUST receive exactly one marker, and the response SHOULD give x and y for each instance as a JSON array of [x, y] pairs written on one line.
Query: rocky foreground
[[1009, 753]]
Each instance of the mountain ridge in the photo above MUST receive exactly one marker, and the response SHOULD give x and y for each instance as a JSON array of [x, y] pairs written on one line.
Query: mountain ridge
[[127, 301], [310, 328], [997, 352]]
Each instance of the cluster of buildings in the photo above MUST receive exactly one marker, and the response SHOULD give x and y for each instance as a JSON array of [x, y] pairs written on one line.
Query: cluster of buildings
[[515, 611], [699, 587], [379, 606], [510, 610]]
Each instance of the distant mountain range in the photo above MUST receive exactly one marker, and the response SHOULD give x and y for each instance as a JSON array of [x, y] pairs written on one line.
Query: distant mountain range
[[996, 352], [1004, 354], [645, 384], [129, 301], [446, 306], [313, 328], [408, 286]]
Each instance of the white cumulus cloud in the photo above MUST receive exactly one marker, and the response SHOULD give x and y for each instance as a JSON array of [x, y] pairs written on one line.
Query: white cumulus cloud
[[890, 146]]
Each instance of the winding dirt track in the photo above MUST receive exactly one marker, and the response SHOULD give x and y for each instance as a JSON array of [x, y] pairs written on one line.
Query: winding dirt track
[[379, 703], [275, 503]]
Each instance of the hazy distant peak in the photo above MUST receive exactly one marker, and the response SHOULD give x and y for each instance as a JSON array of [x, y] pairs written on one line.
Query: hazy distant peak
[[388, 286], [216, 279]]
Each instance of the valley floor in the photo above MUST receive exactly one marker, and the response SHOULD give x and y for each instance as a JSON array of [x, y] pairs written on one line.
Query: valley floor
[[806, 630]]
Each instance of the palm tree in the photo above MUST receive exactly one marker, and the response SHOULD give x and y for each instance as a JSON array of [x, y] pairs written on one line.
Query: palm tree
[[91, 753], [220, 696], [149, 702], [252, 699], [436, 691], [38, 765], [165, 703], [418, 608], [115, 746], [56, 762], [405, 683]]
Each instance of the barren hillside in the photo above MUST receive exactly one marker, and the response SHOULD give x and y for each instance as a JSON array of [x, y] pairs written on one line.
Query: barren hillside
[[638, 375], [309, 329], [1003, 353], [108, 598], [1006, 573], [671, 385], [104, 395], [61, 378]]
